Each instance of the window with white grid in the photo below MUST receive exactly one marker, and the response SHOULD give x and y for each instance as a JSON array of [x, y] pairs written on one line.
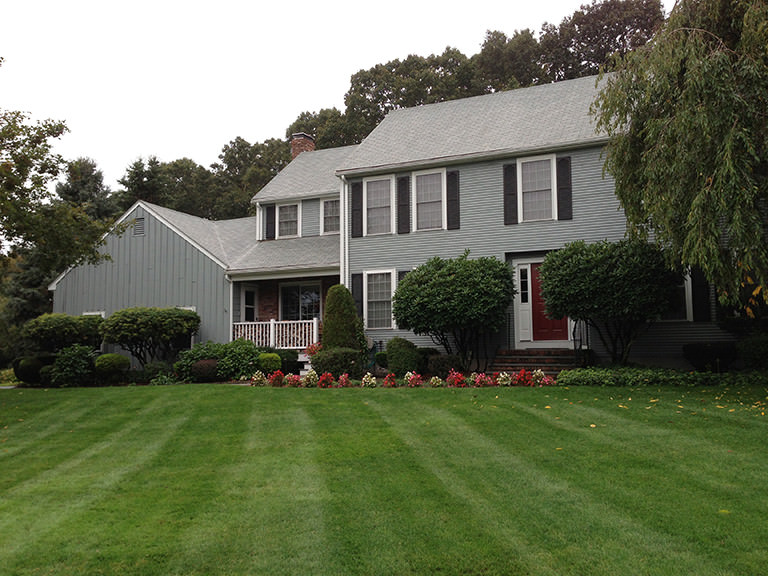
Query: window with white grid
[[288, 220], [429, 201], [331, 223], [378, 206], [378, 294], [537, 186]]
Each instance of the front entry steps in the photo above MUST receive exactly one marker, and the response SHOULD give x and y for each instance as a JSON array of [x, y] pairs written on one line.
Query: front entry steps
[[549, 360]]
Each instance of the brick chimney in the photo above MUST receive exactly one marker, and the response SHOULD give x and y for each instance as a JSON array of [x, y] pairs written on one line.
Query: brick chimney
[[301, 142]]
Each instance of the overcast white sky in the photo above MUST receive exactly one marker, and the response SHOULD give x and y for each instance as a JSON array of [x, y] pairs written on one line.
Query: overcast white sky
[[182, 78]]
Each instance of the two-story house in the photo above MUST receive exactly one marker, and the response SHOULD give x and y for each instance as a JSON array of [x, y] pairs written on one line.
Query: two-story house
[[513, 175]]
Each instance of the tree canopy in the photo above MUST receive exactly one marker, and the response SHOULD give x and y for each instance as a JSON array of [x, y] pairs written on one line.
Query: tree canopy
[[614, 287], [688, 145], [459, 302]]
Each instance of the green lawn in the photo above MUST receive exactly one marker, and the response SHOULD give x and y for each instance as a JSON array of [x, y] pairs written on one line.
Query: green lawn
[[219, 479]]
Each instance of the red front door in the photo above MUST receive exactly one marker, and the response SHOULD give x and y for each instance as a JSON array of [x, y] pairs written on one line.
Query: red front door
[[544, 328]]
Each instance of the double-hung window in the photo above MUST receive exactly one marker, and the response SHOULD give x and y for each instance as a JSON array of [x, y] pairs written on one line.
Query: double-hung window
[[378, 299], [429, 200], [299, 301], [378, 206], [538, 192], [288, 220], [330, 220]]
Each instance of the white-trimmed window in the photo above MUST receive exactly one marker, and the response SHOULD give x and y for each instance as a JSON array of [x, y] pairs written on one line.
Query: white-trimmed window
[[330, 217], [429, 200], [249, 311], [378, 199], [378, 288], [288, 220], [536, 182], [681, 304]]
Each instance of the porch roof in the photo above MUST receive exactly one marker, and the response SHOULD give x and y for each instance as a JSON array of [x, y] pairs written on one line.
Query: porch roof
[[279, 256]]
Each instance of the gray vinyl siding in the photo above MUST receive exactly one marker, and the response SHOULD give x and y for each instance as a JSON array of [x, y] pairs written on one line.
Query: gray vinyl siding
[[158, 269], [310, 217], [596, 216]]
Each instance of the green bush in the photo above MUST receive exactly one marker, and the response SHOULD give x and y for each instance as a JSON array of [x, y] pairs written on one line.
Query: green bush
[[240, 359], [111, 368], [27, 369], [442, 364], [753, 350], [200, 351], [340, 320], [424, 355], [627, 376], [710, 356], [402, 356], [268, 362], [151, 334], [54, 332], [205, 370], [290, 360], [381, 359], [150, 372], [74, 366], [338, 361]]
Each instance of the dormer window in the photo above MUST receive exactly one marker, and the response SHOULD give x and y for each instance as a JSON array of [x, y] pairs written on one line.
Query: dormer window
[[288, 220]]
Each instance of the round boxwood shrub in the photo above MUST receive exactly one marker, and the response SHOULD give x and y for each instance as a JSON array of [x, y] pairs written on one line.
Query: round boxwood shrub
[[402, 356], [269, 362], [205, 370], [111, 368], [200, 351], [27, 369]]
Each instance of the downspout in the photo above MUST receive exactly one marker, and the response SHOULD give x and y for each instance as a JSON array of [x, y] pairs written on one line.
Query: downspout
[[343, 237]]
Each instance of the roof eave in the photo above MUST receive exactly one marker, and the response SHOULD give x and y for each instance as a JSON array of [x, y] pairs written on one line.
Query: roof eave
[[472, 157]]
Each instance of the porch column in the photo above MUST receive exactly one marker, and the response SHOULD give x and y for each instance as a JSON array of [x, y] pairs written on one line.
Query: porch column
[[272, 333], [315, 330]]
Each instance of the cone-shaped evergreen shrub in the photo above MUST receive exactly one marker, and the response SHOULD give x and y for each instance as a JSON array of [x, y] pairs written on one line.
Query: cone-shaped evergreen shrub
[[342, 327]]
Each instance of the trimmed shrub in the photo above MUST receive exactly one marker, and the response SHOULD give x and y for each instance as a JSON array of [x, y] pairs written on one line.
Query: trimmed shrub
[[150, 372], [424, 355], [111, 368], [205, 370], [710, 356], [27, 369], [753, 351], [381, 359], [151, 333], [54, 332], [442, 365], [74, 366], [337, 361], [200, 351], [625, 376], [240, 359], [269, 362], [290, 360], [402, 356], [340, 319]]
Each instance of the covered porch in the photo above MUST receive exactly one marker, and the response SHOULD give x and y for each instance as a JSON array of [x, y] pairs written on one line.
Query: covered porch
[[281, 334]]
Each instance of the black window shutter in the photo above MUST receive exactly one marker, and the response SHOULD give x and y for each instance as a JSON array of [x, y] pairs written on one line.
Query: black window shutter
[[700, 296], [564, 194], [510, 193], [403, 204], [357, 293], [452, 201], [401, 274], [270, 233], [357, 209]]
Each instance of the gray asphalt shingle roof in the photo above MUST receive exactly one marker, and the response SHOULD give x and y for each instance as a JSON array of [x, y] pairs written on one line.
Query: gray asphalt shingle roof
[[310, 174], [233, 243], [526, 120]]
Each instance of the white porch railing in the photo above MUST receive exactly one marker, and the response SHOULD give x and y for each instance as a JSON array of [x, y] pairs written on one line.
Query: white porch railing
[[295, 334]]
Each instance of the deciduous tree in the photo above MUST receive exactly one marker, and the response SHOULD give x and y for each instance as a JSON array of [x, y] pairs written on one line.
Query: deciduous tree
[[689, 140]]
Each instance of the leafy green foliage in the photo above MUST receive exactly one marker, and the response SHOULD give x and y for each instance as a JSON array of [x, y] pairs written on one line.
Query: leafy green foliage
[[151, 333], [459, 302], [74, 366], [111, 368], [689, 141], [239, 359], [615, 287], [338, 361], [343, 328], [269, 362], [753, 350], [84, 187], [402, 356], [200, 351], [53, 332], [655, 377]]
